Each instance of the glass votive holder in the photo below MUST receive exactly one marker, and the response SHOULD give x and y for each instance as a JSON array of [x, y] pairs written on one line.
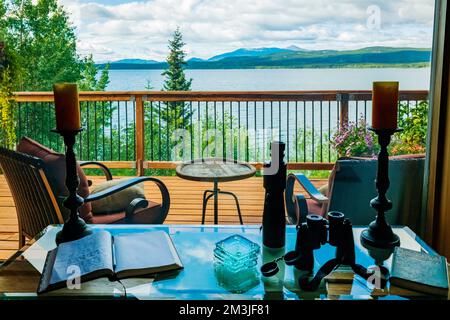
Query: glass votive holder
[[235, 263]]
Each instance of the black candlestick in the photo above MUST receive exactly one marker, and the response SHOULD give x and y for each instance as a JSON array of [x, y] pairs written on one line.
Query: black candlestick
[[75, 227], [380, 234]]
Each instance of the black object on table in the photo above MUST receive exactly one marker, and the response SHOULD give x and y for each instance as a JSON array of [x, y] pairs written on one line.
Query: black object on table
[[379, 234], [274, 221], [215, 170], [75, 227], [311, 235]]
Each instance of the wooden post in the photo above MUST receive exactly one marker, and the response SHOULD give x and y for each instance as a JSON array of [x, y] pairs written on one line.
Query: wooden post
[[139, 135], [436, 198], [343, 113]]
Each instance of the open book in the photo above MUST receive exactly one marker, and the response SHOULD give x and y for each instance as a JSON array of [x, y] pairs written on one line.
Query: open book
[[103, 255]]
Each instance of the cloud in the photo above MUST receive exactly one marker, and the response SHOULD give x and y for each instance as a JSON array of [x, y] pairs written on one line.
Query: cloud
[[117, 29]]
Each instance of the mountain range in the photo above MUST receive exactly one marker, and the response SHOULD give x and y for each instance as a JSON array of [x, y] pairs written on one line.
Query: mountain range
[[295, 57]]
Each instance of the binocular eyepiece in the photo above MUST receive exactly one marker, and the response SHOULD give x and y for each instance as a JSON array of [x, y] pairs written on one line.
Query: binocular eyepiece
[[335, 225], [321, 231]]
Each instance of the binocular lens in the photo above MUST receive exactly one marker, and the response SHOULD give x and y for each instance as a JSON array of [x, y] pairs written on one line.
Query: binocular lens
[[335, 216], [269, 269], [291, 258], [314, 220]]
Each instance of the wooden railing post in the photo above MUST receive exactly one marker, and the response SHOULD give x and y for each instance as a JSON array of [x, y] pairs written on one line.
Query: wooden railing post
[[343, 112], [139, 135]]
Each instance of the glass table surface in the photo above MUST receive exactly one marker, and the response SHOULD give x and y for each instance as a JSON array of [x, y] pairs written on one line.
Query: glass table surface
[[19, 276]]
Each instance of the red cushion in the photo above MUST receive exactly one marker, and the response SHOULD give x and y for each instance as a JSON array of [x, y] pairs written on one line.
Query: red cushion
[[314, 207], [55, 170]]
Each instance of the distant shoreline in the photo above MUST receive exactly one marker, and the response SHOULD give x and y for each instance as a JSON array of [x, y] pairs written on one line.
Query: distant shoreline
[[276, 58], [362, 66]]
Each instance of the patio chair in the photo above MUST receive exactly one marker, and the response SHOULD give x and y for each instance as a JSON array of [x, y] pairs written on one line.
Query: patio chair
[[351, 186], [38, 203]]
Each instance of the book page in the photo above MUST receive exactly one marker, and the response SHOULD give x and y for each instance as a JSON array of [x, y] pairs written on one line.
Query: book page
[[151, 251], [88, 254]]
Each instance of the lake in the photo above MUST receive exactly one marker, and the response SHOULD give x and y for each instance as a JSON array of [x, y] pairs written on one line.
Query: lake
[[277, 79], [287, 121]]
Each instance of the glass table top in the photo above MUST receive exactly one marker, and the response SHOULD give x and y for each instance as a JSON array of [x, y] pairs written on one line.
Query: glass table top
[[19, 276]]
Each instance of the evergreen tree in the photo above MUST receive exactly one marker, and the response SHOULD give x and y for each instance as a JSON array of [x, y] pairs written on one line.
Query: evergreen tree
[[175, 115], [175, 77], [89, 80]]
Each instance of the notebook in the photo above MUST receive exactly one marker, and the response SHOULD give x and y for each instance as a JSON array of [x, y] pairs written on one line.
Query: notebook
[[103, 255], [419, 271]]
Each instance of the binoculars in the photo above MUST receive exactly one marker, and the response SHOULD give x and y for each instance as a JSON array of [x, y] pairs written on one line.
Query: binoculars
[[311, 235], [316, 231]]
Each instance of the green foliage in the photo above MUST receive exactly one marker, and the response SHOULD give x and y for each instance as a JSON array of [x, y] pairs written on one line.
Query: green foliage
[[97, 115], [89, 81], [7, 107], [7, 103], [44, 45], [310, 149], [413, 119], [222, 142], [44, 41]]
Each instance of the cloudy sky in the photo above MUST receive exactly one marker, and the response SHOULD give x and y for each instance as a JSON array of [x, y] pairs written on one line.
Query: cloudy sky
[[117, 29]]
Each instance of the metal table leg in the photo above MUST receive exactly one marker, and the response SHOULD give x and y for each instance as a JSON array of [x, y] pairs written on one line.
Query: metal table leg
[[215, 193], [205, 202], [216, 202], [237, 203]]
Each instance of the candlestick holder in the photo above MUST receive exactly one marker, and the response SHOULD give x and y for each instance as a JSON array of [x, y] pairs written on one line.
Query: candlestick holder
[[75, 227], [379, 234]]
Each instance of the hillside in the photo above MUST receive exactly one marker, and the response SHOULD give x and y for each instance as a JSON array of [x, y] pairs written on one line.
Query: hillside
[[371, 57]]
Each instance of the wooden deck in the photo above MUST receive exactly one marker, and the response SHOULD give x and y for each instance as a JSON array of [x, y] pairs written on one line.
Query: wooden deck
[[186, 205]]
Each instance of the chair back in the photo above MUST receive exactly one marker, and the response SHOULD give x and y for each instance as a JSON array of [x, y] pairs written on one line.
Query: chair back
[[35, 203], [353, 187]]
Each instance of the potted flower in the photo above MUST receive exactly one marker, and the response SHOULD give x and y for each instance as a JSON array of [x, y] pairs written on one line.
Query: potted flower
[[354, 139]]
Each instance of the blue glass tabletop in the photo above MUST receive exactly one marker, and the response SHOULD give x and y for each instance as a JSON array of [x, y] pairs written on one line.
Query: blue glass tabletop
[[199, 280]]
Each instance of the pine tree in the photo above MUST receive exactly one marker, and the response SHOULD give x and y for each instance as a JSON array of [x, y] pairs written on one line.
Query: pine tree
[[175, 115], [89, 80], [175, 77]]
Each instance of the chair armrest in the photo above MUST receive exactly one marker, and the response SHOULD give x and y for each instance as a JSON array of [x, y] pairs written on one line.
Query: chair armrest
[[131, 182], [297, 210], [310, 188], [104, 168], [133, 206], [296, 205]]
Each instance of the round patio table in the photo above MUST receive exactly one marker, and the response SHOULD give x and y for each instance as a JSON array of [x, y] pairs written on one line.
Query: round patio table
[[215, 170]]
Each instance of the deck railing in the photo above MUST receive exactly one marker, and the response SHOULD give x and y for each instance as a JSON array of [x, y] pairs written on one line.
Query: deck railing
[[154, 130]]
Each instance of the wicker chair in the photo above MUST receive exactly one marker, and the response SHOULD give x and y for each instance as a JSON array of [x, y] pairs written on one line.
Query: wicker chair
[[37, 206]]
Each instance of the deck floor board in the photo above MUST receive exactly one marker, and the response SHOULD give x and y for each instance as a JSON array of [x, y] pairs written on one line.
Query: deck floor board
[[186, 205]]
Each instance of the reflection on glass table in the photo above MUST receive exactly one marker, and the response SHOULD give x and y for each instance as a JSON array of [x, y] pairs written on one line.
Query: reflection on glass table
[[19, 276]]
